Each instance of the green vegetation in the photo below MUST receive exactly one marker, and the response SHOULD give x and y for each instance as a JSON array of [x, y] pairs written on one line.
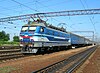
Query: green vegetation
[[16, 38], [7, 43], [4, 36], [4, 39], [7, 69]]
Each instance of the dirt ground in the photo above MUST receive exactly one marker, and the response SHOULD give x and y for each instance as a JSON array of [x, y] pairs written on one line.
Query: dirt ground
[[32, 63], [92, 65]]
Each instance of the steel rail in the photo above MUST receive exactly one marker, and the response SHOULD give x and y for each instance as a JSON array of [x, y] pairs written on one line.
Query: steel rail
[[80, 61], [59, 65], [11, 57], [9, 47], [10, 52]]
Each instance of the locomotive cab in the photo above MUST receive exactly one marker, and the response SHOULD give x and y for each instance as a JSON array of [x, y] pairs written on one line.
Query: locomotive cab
[[28, 37]]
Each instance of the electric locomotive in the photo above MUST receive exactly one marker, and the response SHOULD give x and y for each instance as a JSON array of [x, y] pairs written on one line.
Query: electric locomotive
[[38, 36]]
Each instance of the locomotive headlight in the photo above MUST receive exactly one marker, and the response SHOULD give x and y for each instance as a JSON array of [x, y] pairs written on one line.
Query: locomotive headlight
[[31, 38], [20, 38]]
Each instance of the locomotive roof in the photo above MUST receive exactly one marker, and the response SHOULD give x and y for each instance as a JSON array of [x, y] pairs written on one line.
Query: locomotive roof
[[35, 24], [43, 23], [60, 29]]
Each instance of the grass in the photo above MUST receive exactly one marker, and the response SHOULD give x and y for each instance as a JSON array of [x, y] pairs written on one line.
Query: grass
[[7, 43], [7, 69]]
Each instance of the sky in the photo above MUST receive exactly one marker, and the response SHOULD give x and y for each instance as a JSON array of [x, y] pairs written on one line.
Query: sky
[[72, 23]]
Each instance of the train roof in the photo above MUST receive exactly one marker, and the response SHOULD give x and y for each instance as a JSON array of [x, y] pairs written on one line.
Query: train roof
[[60, 29], [40, 22], [35, 23], [43, 23], [80, 36]]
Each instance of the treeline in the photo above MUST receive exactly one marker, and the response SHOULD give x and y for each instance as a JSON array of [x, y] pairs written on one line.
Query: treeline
[[6, 37]]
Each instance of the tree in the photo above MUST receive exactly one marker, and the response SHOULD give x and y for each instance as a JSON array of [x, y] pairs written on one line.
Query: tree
[[16, 38], [4, 36]]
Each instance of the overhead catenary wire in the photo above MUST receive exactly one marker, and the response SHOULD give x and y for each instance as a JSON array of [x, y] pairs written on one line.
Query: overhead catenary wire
[[25, 5], [9, 9], [52, 5], [52, 9], [88, 16], [6, 8], [41, 7], [52, 14], [92, 15], [18, 2], [14, 7], [88, 7]]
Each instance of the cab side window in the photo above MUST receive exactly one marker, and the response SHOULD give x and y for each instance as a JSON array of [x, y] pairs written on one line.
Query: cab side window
[[42, 29]]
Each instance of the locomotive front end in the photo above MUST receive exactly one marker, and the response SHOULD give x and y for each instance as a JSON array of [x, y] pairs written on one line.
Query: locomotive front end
[[27, 40]]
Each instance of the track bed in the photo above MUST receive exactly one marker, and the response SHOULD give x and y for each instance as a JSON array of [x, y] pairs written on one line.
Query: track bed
[[35, 62]]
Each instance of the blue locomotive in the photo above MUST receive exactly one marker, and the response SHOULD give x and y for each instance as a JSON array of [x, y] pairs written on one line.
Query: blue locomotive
[[38, 36]]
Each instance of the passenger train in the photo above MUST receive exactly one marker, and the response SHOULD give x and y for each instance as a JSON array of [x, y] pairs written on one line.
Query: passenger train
[[38, 36]]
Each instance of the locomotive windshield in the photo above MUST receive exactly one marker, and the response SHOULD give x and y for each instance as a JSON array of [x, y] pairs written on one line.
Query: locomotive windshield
[[28, 28], [32, 28], [25, 28]]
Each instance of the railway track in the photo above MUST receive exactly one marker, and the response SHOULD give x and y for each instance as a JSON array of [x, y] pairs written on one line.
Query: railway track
[[10, 52], [68, 65], [9, 47]]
